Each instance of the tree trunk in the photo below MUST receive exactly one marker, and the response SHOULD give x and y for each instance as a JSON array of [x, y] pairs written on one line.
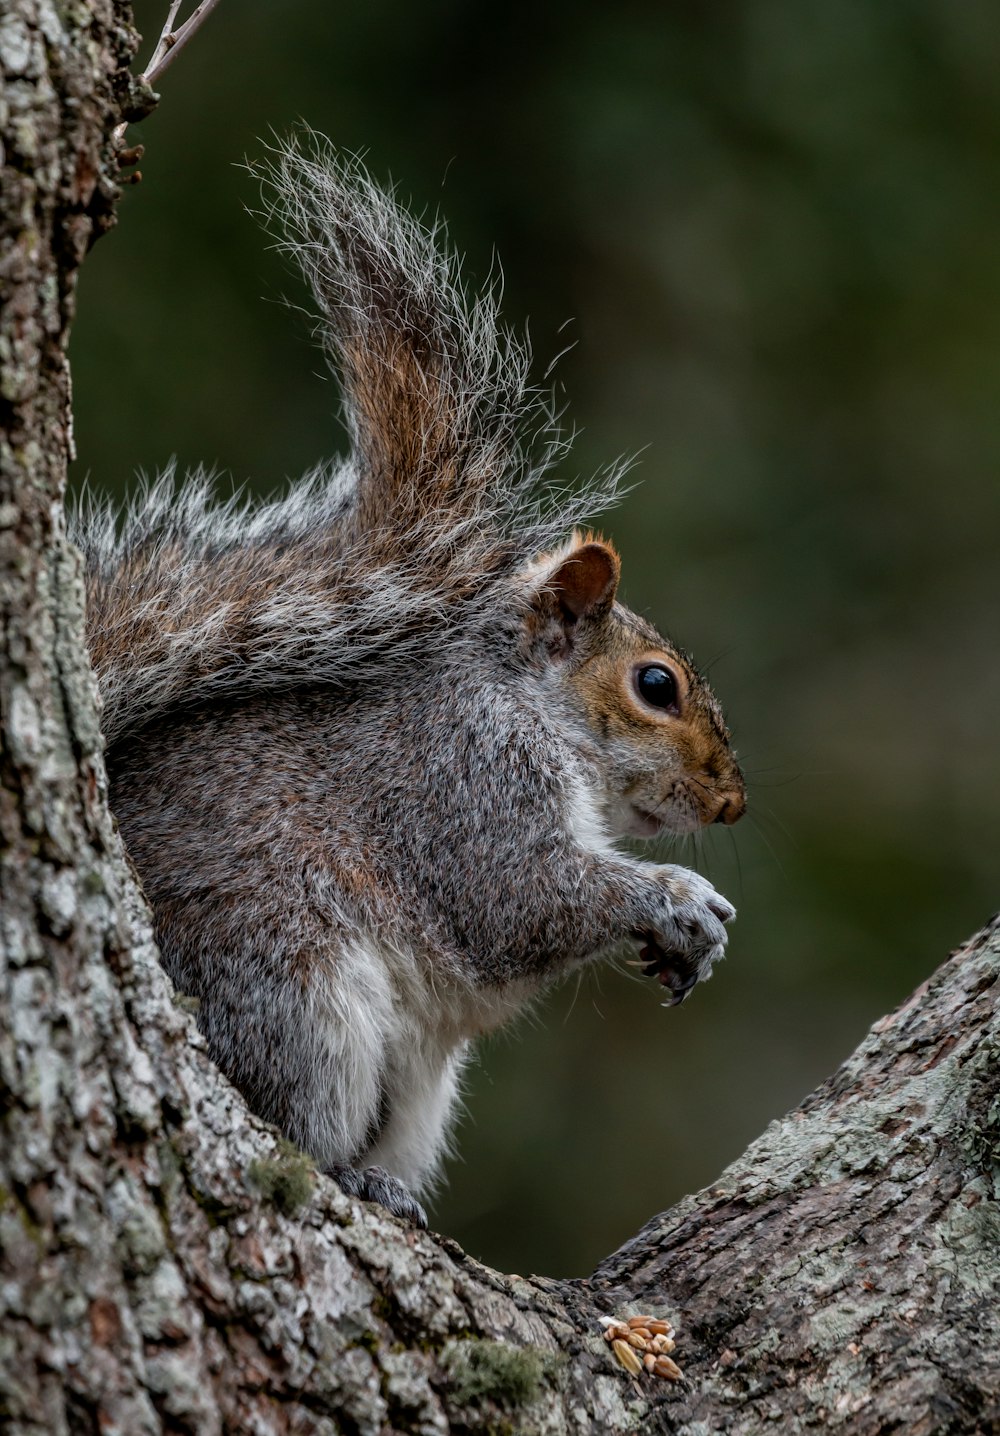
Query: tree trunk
[[169, 1265]]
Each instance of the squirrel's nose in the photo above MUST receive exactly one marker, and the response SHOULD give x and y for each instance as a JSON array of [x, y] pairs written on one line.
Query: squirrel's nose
[[734, 805]]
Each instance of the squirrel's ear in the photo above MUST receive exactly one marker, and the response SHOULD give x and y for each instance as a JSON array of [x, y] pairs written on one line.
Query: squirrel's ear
[[575, 586], [586, 580]]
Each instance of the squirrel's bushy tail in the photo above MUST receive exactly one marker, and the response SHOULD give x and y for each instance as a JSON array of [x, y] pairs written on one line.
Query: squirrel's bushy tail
[[440, 503], [436, 391]]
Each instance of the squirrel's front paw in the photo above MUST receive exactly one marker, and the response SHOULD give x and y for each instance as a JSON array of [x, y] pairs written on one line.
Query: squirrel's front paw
[[688, 935]]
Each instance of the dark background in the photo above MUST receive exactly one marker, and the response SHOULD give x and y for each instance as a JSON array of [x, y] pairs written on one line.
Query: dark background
[[771, 232]]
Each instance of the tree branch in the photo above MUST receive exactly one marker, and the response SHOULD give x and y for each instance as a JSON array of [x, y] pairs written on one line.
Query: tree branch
[[845, 1272]]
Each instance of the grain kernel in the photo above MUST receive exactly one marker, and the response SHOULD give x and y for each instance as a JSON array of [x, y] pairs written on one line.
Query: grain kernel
[[628, 1358], [663, 1366]]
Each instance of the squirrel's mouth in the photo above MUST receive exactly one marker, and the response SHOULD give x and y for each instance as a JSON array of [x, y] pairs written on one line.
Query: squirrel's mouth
[[669, 817], [644, 824]]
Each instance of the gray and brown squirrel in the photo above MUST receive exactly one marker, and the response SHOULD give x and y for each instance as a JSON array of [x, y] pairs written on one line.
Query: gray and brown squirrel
[[370, 745]]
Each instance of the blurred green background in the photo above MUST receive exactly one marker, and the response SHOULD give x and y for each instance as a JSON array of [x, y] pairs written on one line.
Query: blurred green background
[[771, 231]]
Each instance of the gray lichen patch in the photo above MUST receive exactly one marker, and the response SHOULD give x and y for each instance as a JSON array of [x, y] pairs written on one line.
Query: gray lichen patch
[[141, 1242], [966, 1241], [610, 1409], [977, 1125]]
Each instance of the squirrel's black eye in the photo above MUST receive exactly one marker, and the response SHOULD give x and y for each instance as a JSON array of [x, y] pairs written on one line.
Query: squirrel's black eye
[[657, 686]]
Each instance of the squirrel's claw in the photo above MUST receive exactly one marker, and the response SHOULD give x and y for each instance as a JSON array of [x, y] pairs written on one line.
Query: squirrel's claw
[[679, 974], [374, 1184], [678, 983]]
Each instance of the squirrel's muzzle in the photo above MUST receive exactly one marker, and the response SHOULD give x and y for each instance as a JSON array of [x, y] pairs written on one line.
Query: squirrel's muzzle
[[732, 806]]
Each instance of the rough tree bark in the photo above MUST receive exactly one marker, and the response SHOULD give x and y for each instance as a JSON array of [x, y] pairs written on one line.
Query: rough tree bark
[[169, 1265]]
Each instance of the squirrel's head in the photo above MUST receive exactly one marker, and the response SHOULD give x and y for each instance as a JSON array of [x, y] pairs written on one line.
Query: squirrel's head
[[655, 732]]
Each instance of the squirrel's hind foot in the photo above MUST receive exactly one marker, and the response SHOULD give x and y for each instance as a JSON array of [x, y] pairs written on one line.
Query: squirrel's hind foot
[[374, 1184]]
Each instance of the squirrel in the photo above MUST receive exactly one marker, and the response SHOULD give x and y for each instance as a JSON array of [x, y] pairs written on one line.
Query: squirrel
[[369, 745]]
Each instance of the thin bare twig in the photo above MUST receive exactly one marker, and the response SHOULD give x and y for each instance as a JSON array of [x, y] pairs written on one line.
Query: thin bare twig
[[170, 43], [165, 41]]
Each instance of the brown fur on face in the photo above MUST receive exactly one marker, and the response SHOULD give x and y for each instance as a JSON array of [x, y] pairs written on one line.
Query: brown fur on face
[[669, 769]]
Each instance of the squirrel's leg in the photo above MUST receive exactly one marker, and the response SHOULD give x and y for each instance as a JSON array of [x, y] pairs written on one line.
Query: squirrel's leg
[[303, 1028], [530, 881], [420, 1087], [586, 902]]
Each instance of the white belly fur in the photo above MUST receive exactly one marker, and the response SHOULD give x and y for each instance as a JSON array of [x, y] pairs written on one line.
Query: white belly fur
[[385, 1023]]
